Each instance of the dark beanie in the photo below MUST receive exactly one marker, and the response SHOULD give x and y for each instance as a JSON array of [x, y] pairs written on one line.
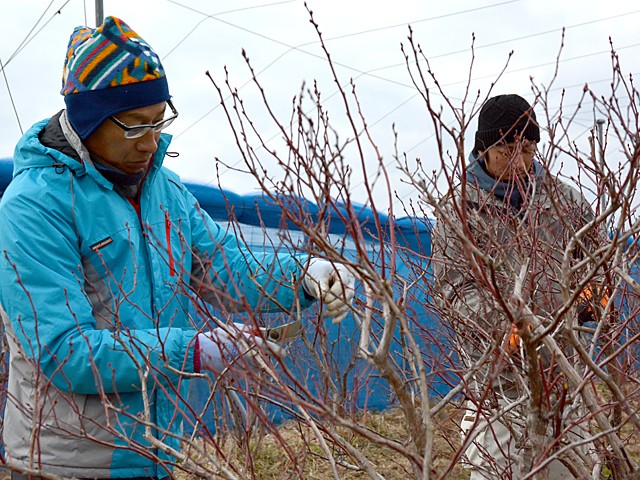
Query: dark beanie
[[109, 70], [504, 117]]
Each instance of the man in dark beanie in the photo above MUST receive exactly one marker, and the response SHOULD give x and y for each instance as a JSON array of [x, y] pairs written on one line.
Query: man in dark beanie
[[105, 254], [507, 219]]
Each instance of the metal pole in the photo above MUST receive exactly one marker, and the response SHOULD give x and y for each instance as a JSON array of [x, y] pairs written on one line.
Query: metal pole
[[99, 13], [602, 196], [600, 126]]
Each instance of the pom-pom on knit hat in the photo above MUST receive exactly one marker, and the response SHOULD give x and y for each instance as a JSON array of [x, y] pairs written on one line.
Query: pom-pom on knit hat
[[109, 70], [504, 117]]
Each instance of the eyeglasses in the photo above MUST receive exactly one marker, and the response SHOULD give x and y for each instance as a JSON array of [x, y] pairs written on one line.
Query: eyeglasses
[[526, 148], [137, 131]]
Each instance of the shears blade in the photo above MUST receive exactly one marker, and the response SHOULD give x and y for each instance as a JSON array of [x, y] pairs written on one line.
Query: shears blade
[[283, 333]]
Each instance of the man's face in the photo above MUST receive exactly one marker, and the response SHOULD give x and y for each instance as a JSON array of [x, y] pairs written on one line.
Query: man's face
[[510, 160], [130, 155]]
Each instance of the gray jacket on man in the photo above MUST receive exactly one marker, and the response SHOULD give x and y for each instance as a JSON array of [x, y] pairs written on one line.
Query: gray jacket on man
[[488, 233]]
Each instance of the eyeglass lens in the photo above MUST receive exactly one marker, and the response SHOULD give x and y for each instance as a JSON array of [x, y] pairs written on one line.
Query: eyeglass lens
[[137, 132]]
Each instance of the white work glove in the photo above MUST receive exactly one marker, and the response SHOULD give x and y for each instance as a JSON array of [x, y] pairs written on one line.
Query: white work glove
[[222, 347], [333, 284]]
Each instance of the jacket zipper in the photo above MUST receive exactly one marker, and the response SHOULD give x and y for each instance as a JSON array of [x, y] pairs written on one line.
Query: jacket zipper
[[167, 229]]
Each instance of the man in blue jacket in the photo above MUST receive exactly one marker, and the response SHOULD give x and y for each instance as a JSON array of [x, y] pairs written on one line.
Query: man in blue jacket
[[103, 251]]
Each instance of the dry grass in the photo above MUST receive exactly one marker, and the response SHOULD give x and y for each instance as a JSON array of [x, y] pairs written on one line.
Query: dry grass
[[296, 452]]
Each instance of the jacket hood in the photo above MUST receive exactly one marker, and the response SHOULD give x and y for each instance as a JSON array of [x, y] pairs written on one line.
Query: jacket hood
[[31, 153]]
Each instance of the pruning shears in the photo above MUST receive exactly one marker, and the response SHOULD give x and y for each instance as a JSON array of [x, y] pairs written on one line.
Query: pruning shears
[[283, 333]]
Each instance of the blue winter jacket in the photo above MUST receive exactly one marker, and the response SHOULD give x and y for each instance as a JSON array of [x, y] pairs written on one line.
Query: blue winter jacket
[[96, 294]]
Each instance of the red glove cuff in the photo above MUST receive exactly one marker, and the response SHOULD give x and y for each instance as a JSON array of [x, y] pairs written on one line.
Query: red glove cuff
[[196, 355]]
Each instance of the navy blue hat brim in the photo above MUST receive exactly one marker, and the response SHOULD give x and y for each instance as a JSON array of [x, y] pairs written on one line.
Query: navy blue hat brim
[[89, 109]]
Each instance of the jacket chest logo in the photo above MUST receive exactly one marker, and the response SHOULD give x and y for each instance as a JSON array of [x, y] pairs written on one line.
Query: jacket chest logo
[[101, 244]]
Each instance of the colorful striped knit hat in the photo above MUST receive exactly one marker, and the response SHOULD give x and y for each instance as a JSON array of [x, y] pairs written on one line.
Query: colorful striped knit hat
[[109, 70]]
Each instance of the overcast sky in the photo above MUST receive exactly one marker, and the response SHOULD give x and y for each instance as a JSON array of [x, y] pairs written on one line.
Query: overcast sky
[[363, 37]]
